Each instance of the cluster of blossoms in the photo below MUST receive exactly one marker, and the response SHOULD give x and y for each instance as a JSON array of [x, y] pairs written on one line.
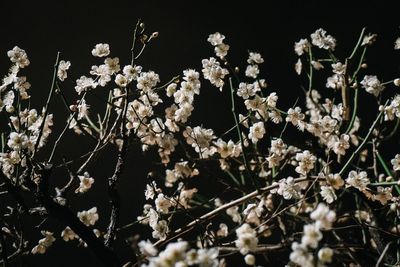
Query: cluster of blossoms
[[270, 187], [179, 254], [302, 253], [27, 125]]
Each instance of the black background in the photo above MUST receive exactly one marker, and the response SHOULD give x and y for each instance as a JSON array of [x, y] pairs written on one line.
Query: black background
[[74, 27]]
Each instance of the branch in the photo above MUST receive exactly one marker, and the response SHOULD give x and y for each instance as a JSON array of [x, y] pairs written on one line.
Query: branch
[[224, 207], [46, 110], [64, 214]]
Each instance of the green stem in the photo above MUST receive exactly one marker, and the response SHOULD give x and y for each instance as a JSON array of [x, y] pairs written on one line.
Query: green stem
[[353, 155], [46, 109], [358, 43], [385, 183], [134, 42], [3, 142], [92, 124], [387, 171], [236, 181], [246, 164], [359, 65], [311, 69], [396, 126], [353, 116]]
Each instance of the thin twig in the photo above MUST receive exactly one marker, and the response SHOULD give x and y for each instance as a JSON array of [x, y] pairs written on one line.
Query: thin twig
[[46, 109], [350, 160]]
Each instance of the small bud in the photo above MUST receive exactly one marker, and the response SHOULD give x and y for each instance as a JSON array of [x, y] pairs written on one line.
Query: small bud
[[10, 109], [397, 82], [237, 69], [393, 207], [250, 259], [144, 38], [142, 25], [73, 108], [389, 178], [364, 65], [154, 35]]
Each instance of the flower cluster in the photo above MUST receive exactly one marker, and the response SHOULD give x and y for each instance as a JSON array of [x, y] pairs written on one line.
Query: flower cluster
[[209, 192]]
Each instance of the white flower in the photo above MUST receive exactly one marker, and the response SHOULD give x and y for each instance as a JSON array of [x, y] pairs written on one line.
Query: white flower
[[321, 40], [162, 203], [101, 50], [207, 257], [132, 72], [121, 80], [200, 139], [147, 80], [306, 162], [311, 236], [233, 212], [252, 71], [335, 180], [397, 44], [341, 145], [213, 72], [317, 65], [223, 230], [171, 89], [7, 101], [301, 47], [255, 58], [249, 259], [83, 109], [369, 39], [339, 68], [88, 217], [160, 230], [325, 255], [247, 90], [85, 183], [396, 162], [301, 256], [256, 132], [328, 194], [288, 188], [383, 195], [278, 147], [221, 50], [113, 64], [44, 243], [103, 74], [372, 85], [216, 39], [172, 256], [147, 248], [84, 83], [63, 66], [19, 57], [246, 239], [295, 117], [228, 149], [323, 217], [67, 234], [298, 66], [17, 141], [358, 180]]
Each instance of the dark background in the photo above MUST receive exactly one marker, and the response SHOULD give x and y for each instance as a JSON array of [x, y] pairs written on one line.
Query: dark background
[[74, 27]]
